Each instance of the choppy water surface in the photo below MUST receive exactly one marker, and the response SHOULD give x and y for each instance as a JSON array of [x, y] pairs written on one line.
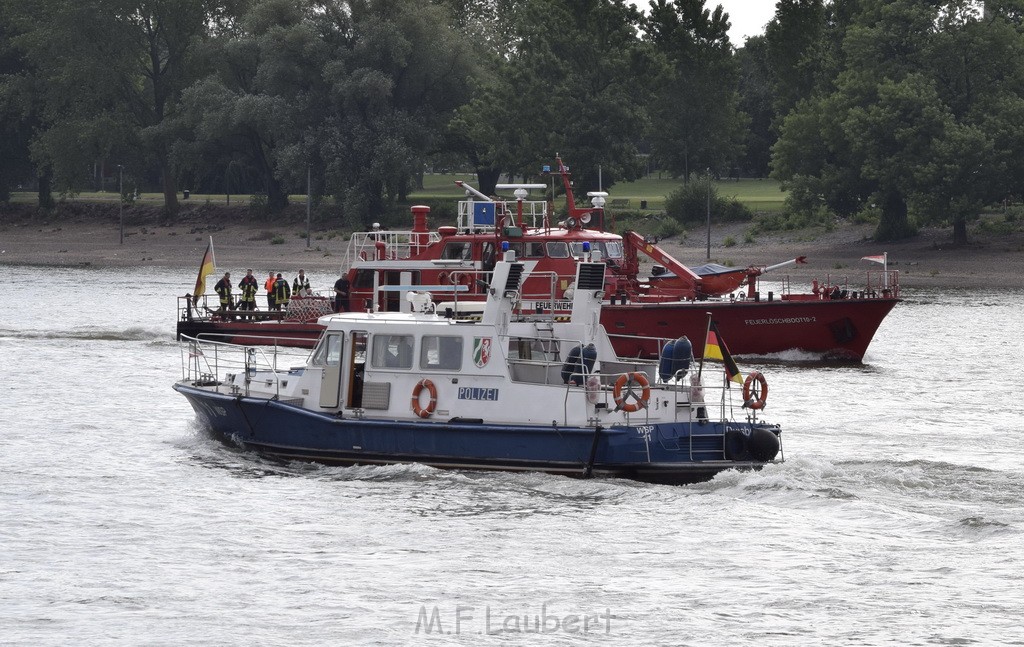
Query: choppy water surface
[[897, 518]]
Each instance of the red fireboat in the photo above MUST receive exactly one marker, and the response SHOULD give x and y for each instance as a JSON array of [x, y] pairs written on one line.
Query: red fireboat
[[835, 319]]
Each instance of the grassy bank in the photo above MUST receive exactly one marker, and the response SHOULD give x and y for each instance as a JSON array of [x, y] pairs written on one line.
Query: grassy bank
[[758, 195]]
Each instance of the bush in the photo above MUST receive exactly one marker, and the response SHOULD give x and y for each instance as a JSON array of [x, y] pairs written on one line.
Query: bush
[[689, 204], [645, 223]]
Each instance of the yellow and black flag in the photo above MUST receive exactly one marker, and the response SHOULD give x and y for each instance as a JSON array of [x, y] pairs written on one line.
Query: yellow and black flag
[[206, 268], [715, 348]]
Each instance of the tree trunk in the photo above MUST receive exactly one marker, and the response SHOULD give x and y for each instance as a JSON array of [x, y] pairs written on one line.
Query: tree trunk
[[893, 224], [277, 199], [170, 191], [46, 189], [959, 231], [488, 178]]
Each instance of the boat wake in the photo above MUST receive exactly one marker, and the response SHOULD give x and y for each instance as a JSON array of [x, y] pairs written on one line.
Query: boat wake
[[90, 334], [963, 499]]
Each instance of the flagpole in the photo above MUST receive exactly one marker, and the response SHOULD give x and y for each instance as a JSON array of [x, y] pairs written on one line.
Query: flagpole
[[213, 256], [885, 270], [707, 330]]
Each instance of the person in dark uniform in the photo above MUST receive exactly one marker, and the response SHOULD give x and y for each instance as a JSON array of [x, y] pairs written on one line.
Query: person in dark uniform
[[341, 288], [248, 286], [282, 293], [223, 289]]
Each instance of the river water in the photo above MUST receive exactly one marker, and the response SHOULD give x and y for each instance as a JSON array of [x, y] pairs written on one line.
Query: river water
[[895, 520]]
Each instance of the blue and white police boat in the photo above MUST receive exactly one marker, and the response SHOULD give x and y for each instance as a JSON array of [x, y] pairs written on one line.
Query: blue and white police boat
[[503, 390]]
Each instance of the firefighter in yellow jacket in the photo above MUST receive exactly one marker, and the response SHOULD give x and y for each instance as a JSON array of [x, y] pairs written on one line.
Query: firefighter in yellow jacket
[[223, 289], [282, 292], [249, 286]]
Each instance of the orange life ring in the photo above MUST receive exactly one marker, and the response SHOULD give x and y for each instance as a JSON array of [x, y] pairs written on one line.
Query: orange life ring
[[442, 277], [460, 278], [638, 401], [424, 412], [755, 391]]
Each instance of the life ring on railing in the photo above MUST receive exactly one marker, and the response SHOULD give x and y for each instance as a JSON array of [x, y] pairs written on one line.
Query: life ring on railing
[[442, 277], [755, 391], [460, 278], [362, 255], [622, 400], [424, 412]]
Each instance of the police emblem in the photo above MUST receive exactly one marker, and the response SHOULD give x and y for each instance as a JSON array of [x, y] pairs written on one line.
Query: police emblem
[[481, 351]]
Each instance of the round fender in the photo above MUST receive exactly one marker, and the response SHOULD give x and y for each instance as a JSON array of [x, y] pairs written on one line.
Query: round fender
[[735, 444], [630, 401], [424, 412], [755, 391]]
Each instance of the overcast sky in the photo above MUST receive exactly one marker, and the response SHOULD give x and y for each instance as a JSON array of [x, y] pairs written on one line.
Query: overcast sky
[[748, 17]]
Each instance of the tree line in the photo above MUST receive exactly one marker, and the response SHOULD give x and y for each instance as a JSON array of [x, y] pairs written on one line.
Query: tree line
[[905, 111]]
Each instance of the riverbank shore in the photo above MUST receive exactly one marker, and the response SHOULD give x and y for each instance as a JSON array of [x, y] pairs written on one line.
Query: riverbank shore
[[90, 235]]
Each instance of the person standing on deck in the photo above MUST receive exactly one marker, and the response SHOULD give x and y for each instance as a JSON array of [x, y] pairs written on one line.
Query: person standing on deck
[[269, 286], [248, 285], [223, 289], [281, 292], [300, 287], [341, 288]]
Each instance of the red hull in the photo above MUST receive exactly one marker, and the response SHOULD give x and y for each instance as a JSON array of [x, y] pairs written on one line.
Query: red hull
[[840, 329], [267, 333]]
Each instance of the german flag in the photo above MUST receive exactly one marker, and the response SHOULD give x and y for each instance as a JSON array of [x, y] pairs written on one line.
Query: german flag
[[206, 268], [715, 348]]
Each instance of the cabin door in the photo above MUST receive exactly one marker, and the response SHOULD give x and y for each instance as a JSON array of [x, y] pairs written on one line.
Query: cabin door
[[356, 365], [330, 379]]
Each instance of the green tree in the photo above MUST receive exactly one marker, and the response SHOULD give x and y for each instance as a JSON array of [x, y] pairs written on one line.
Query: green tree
[[113, 72], [570, 80], [359, 92], [910, 123], [757, 100], [795, 44], [265, 90], [397, 74], [695, 118], [18, 109]]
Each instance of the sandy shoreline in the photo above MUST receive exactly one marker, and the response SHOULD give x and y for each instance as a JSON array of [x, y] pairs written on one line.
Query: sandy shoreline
[[927, 260]]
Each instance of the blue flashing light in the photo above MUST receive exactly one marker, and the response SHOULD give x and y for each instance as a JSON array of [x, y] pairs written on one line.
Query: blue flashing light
[[504, 245], [547, 168], [586, 245]]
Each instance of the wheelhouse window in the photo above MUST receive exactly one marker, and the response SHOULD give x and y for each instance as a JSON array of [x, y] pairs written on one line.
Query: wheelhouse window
[[612, 249], [441, 353], [534, 250], [457, 251], [364, 279], [558, 249], [392, 351], [328, 351]]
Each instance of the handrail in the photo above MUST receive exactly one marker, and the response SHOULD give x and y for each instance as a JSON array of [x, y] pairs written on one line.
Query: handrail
[[203, 360]]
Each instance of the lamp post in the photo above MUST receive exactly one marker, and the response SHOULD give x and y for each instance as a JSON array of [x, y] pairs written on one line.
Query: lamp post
[[120, 199], [709, 214], [308, 200]]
